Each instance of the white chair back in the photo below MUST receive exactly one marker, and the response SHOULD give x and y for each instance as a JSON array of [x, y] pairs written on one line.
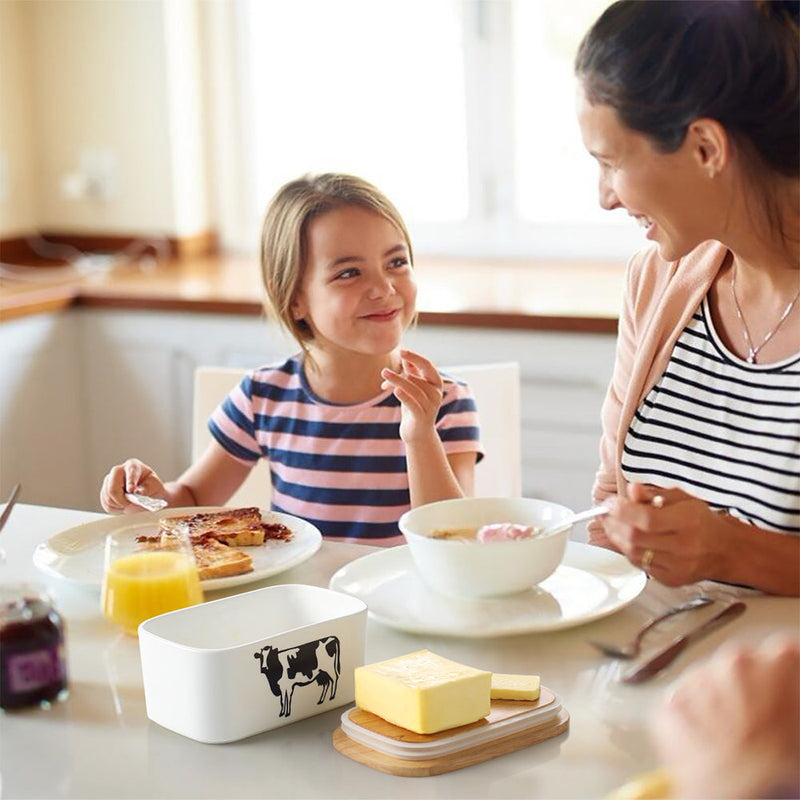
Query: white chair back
[[211, 386], [496, 388]]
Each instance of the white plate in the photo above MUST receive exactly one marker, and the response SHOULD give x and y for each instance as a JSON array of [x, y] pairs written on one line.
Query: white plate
[[590, 583], [77, 553]]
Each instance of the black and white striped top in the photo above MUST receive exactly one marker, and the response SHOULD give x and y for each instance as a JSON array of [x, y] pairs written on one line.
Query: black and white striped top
[[723, 430]]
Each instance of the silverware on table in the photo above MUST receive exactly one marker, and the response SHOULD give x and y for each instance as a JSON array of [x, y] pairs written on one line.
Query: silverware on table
[[632, 648], [148, 503], [572, 519], [9, 505], [653, 665]]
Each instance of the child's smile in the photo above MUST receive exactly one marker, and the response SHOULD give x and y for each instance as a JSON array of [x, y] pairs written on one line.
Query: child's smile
[[383, 316]]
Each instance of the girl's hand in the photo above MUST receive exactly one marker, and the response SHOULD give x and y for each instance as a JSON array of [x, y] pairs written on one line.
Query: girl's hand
[[133, 476], [419, 389], [673, 536]]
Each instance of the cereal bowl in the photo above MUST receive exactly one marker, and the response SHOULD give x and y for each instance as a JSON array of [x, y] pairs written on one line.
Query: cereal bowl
[[467, 568]]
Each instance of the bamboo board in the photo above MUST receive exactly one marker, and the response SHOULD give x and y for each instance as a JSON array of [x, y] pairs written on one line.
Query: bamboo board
[[501, 709]]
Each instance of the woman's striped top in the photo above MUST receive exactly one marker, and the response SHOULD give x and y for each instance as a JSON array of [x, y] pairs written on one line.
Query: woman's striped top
[[723, 430], [341, 467]]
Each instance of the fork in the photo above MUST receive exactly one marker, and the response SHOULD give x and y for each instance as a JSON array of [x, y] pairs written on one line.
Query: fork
[[632, 648]]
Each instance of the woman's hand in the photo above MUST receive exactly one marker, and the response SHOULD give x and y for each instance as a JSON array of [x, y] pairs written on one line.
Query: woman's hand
[[732, 726], [673, 536], [419, 389], [132, 476]]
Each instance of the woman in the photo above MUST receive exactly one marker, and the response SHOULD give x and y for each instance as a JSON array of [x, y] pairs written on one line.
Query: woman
[[691, 109]]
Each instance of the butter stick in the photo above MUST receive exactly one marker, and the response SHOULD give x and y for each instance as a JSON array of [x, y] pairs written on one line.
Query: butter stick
[[423, 692], [515, 687]]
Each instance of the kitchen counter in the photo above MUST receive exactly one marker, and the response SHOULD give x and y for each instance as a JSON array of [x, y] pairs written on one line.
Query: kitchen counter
[[556, 296]]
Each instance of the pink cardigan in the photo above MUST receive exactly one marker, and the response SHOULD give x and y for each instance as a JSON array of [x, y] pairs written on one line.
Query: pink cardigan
[[660, 298]]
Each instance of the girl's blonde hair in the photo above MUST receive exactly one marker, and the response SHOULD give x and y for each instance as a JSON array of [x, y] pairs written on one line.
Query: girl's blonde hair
[[283, 235]]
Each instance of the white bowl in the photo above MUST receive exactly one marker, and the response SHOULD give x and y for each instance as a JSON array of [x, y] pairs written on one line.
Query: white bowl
[[231, 668], [471, 569]]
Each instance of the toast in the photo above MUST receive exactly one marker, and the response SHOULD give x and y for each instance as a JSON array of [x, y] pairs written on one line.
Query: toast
[[238, 527], [214, 559], [217, 560]]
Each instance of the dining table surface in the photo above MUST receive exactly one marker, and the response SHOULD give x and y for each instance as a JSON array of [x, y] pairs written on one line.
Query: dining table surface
[[99, 742]]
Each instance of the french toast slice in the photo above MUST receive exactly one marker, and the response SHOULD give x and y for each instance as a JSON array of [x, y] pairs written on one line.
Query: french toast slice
[[238, 527], [214, 559], [217, 560]]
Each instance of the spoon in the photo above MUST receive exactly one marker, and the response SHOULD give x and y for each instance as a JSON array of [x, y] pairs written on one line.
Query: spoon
[[560, 525], [632, 648], [145, 502]]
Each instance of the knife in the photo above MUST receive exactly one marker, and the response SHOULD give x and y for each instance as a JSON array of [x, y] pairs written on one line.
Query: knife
[[665, 657]]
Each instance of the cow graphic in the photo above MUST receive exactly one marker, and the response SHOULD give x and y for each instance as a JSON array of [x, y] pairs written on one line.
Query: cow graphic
[[312, 662]]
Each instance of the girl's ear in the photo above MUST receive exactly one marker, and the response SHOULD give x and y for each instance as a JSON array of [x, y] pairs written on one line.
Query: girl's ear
[[298, 307], [710, 145]]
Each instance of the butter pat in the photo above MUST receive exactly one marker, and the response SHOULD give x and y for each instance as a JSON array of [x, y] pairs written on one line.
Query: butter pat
[[423, 692], [515, 687]]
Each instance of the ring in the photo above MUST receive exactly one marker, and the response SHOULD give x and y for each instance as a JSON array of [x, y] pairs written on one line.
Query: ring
[[657, 501], [647, 558]]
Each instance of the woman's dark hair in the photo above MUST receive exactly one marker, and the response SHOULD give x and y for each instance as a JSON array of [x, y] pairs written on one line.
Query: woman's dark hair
[[661, 64]]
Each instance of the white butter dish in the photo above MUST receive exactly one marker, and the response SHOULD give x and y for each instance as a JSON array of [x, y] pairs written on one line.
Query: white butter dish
[[235, 667], [465, 737]]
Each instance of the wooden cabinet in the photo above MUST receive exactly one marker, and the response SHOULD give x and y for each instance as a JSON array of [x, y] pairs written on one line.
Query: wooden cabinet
[[85, 389]]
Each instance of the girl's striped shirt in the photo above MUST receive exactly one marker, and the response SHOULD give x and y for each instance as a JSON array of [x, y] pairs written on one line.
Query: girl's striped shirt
[[341, 467], [723, 430]]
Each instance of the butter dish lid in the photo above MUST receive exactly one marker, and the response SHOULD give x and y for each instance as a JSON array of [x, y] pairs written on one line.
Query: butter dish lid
[[467, 736]]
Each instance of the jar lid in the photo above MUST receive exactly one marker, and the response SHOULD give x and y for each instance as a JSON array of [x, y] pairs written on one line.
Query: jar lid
[[20, 602]]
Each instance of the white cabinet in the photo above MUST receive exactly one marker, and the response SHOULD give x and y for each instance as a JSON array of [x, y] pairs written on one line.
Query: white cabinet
[[86, 389], [42, 414]]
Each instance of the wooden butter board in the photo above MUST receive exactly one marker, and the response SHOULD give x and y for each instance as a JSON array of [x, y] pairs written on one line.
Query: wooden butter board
[[500, 710]]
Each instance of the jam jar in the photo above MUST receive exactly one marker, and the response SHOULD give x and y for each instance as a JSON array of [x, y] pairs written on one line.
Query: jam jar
[[32, 658]]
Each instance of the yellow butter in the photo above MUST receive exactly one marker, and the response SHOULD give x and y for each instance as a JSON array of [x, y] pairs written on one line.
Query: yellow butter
[[515, 687], [424, 692]]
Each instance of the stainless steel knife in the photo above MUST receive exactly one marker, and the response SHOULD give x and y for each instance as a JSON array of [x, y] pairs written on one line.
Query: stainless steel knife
[[653, 665]]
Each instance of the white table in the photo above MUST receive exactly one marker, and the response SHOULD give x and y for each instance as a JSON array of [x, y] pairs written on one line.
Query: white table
[[100, 743]]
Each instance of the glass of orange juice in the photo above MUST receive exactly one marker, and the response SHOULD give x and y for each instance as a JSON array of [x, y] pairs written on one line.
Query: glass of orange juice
[[140, 583]]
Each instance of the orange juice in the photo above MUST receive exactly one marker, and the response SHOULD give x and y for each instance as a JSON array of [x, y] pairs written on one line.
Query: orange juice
[[143, 585]]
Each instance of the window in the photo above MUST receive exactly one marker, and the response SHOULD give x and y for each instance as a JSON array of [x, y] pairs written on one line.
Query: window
[[462, 111]]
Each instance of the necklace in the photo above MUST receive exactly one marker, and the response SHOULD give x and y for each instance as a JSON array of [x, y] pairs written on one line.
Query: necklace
[[752, 352]]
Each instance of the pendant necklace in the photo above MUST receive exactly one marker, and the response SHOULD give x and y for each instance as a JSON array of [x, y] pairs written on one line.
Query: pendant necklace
[[752, 352]]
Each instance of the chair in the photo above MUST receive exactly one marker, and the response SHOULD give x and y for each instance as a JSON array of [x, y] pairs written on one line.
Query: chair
[[496, 388], [211, 386]]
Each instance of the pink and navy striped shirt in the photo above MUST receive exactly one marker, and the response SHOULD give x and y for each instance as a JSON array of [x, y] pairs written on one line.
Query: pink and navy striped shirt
[[341, 467]]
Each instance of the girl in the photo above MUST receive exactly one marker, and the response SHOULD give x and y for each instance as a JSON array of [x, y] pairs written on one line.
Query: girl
[[357, 430], [693, 111]]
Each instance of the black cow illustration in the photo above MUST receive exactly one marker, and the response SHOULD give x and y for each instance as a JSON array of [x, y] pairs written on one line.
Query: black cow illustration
[[313, 662]]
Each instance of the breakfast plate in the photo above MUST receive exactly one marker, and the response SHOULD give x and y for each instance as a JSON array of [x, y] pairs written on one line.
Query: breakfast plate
[[76, 554], [590, 583]]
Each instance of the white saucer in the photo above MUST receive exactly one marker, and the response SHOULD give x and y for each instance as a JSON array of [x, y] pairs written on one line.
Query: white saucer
[[590, 583]]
